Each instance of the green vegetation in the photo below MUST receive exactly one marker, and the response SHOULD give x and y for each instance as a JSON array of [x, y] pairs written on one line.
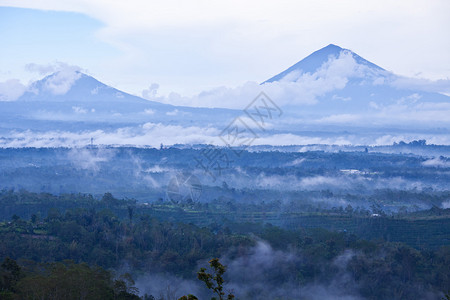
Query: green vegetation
[[62, 280], [109, 231], [213, 281], [429, 229]]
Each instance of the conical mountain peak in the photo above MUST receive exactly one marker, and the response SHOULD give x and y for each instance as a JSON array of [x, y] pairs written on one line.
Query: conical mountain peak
[[315, 60]]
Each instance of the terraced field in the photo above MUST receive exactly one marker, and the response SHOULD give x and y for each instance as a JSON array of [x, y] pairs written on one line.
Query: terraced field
[[417, 231]]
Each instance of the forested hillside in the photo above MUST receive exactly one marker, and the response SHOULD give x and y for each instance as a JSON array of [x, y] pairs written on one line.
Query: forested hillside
[[262, 259]]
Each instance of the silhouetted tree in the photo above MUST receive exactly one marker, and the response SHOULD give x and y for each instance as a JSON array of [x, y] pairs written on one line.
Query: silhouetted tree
[[213, 281]]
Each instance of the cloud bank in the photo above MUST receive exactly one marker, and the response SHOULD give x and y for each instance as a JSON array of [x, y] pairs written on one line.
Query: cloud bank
[[11, 89], [62, 78], [296, 88]]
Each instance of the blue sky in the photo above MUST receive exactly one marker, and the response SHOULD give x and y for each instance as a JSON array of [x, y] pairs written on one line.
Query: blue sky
[[191, 46], [45, 37]]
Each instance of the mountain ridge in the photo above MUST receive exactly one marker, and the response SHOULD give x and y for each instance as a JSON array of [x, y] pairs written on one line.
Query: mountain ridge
[[335, 96], [77, 86]]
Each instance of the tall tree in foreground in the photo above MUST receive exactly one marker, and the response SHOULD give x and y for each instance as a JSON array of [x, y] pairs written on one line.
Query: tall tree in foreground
[[213, 281]]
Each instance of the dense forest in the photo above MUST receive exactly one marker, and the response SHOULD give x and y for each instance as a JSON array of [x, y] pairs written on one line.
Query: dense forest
[[116, 249]]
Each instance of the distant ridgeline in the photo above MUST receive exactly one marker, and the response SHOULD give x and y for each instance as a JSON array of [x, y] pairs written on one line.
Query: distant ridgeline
[[354, 175]]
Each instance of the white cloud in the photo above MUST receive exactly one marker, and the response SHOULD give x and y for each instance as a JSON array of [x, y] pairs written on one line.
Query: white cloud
[[151, 92], [340, 98], [62, 77], [379, 81], [42, 69], [437, 163], [295, 162], [410, 111], [437, 86], [342, 118], [251, 274], [320, 181], [149, 134], [95, 91], [11, 90], [373, 105], [295, 88], [293, 139], [60, 82], [89, 159], [79, 110], [153, 134], [172, 113], [158, 169]]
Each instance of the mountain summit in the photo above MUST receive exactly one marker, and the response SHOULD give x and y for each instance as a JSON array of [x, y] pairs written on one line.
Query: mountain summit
[[315, 60], [77, 87], [334, 83], [69, 99]]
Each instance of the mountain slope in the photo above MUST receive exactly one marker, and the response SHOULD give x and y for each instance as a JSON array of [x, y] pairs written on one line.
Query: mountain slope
[[75, 101], [337, 81], [315, 60], [80, 88]]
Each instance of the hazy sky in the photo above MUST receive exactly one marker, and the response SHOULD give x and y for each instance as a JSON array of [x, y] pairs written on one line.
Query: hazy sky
[[189, 46]]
